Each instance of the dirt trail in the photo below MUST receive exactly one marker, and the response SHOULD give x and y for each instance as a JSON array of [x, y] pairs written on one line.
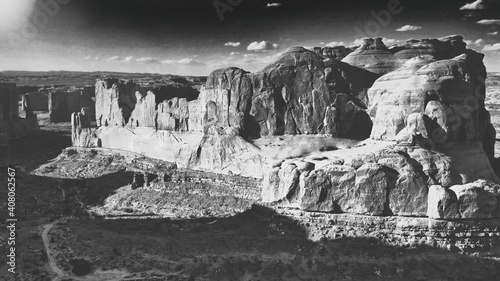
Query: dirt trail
[[61, 275], [46, 242]]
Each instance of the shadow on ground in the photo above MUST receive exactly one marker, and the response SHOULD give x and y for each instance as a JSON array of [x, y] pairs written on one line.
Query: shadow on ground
[[258, 244], [29, 153]]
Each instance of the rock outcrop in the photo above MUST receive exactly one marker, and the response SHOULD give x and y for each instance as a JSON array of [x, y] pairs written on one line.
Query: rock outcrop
[[12, 126], [421, 104], [62, 102]]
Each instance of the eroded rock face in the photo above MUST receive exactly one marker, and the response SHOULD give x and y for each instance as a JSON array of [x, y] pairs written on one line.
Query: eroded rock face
[[375, 57], [478, 199], [442, 203], [222, 150], [423, 100], [12, 126]]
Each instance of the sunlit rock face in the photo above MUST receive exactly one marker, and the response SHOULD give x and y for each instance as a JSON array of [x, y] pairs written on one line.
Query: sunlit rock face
[[303, 92]]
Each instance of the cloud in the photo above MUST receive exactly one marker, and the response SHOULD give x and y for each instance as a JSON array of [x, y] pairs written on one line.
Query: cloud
[[235, 53], [88, 57], [273, 5], [389, 41], [409, 28], [335, 44], [185, 61], [262, 46], [120, 59], [492, 33], [492, 48], [232, 44], [254, 61], [357, 42], [489, 22], [477, 5], [478, 42], [147, 60]]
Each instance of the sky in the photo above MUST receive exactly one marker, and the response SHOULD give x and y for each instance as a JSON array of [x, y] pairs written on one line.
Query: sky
[[194, 37]]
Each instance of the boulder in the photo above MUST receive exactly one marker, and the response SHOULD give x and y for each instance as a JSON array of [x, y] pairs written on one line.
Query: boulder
[[369, 194], [328, 189], [281, 184], [407, 184], [478, 200], [442, 203]]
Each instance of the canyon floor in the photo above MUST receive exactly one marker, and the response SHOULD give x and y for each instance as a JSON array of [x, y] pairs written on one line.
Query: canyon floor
[[70, 227]]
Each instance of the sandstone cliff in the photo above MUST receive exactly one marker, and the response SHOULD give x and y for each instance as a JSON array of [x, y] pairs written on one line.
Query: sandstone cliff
[[421, 104]]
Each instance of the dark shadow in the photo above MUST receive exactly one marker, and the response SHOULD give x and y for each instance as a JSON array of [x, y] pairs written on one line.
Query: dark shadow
[[279, 111], [361, 126], [32, 151], [496, 166], [262, 244], [39, 196], [256, 244]]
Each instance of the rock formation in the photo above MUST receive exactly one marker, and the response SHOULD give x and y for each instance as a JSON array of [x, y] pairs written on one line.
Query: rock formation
[[12, 126], [62, 102], [421, 104]]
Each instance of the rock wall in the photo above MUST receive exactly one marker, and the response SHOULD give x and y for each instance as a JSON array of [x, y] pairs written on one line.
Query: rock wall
[[473, 237], [397, 180], [12, 126], [422, 104], [62, 102]]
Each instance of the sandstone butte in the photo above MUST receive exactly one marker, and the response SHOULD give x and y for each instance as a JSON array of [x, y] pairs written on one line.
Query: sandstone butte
[[374, 130]]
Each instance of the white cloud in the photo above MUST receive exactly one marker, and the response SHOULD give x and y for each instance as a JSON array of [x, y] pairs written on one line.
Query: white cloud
[[147, 60], [489, 22], [409, 28], [389, 41], [492, 48], [335, 44], [478, 42], [185, 61], [88, 57], [232, 44], [492, 33], [477, 5], [235, 53], [273, 5], [357, 42], [120, 59], [252, 61], [249, 58], [262, 46]]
